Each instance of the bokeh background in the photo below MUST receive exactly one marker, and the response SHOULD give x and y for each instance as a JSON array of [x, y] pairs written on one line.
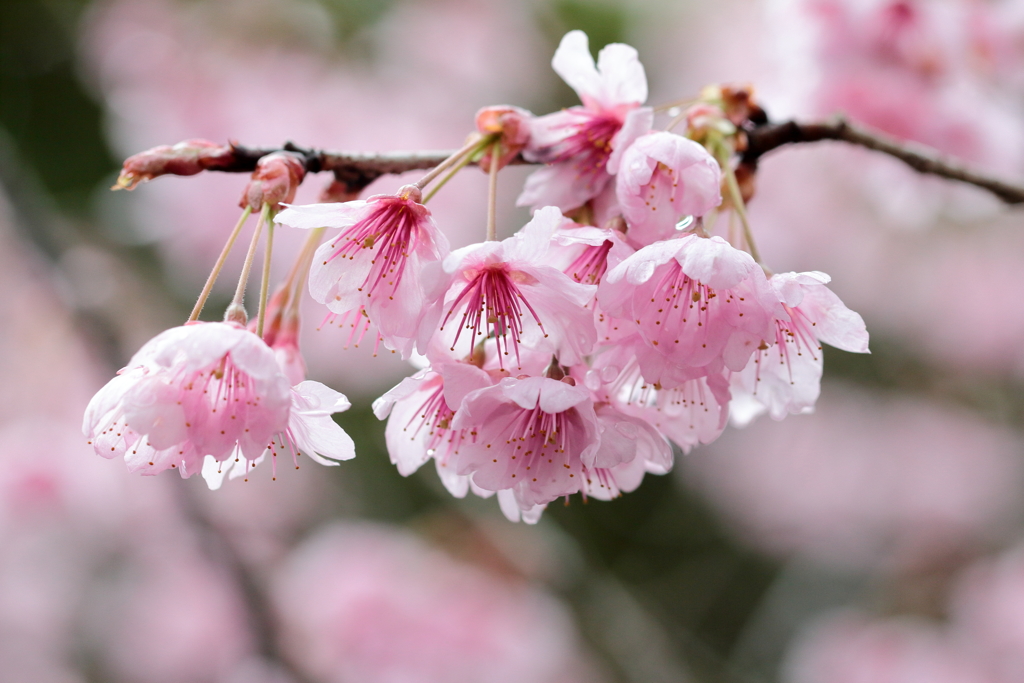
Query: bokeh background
[[879, 539]]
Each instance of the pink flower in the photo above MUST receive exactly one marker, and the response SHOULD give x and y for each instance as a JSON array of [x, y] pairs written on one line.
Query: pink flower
[[695, 300], [630, 447], [532, 435], [584, 144], [420, 416], [191, 391], [690, 411], [585, 254], [589, 252], [311, 432], [664, 177], [386, 260], [786, 378], [504, 289]]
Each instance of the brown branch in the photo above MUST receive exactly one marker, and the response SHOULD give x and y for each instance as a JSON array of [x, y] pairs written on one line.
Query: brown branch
[[356, 170], [767, 137]]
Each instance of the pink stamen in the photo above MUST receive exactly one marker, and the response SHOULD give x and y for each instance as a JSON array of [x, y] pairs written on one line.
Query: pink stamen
[[590, 266], [390, 228], [494, 307], [590, 146]]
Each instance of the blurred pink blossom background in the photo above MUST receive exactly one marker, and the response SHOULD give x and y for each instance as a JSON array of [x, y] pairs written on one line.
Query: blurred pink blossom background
[[104, 576]]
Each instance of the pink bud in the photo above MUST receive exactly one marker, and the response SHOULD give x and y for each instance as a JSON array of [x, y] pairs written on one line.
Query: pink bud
[[185, 158], [703, 118], [512, 124], [281, 333], [275, 180]]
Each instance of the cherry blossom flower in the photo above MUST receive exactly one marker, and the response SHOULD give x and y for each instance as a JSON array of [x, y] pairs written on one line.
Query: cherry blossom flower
[[664, 177], [386, 260], [630, 447], [689, 411], [695, 300], [584, 144], [505, 289], [420, 414], [585, 253], [533, 435], [786, 378], [201, 389], [311, 432]]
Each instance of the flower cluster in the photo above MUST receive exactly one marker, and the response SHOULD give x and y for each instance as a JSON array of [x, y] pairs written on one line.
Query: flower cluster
[[564, 359]]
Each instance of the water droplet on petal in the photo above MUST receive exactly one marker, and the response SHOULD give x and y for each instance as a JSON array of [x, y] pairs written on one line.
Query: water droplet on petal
[[685, 223]]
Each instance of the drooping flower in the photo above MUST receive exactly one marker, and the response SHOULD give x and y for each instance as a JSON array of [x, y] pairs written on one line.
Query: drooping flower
[[630, 447], [192, 391], [505, 290], [386, 260], [532, 435], [588, 252], [786, 378], [311, 432], [585, 254], [664, 177], [584, 144], [691, 408], [695, 300], [420, 411]]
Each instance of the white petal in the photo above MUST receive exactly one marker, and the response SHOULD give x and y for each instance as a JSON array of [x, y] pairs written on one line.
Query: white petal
[[574, 63]]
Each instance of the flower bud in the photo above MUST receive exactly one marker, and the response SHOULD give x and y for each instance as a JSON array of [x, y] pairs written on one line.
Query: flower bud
[[275, 180], [512, 124], [704, 120], [185, 158], [235, 313]]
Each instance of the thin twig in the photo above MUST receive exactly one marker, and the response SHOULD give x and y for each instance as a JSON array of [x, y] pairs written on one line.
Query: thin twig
[[765, 138], [360, 169]]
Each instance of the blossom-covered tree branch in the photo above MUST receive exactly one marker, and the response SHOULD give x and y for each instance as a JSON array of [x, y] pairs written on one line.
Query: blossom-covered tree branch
[[356, 170]]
